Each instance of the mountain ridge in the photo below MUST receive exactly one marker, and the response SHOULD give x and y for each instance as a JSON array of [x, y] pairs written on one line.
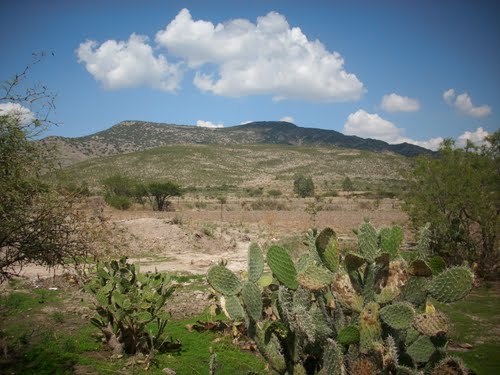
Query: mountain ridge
[[130, 136]]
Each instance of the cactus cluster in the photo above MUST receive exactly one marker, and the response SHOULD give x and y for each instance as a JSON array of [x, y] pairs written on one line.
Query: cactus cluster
[[127, 302], [363, 311]]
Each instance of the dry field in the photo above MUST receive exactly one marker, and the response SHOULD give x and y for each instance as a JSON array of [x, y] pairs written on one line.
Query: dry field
[[190, 239]]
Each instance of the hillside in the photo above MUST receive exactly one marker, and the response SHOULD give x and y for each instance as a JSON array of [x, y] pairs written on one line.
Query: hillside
[[131, 136], [247, 166]]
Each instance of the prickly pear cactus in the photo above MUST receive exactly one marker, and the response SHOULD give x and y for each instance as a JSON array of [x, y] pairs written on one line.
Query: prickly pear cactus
[[357, 312]]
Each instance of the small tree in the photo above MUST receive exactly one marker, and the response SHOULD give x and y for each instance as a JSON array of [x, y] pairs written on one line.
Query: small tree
[[347, 186], [303, 186], [458, 194], [161, 191], [38, 223]]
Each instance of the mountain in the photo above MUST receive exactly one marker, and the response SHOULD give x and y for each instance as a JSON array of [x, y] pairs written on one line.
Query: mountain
[[130, 136]]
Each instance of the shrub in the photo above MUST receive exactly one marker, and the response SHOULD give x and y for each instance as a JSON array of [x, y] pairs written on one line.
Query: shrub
[[303, 186], [119, 202], [161, 191], [127, 304], [363, 311], [274, 193]]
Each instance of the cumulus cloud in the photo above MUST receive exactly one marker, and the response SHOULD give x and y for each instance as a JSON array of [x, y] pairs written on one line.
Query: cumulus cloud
[[16, 110], [477, 137], [449, 96], [240, 58], [371, 125], [396, 103], [208, 124], [287, 119], [131, 63], [463, 103]]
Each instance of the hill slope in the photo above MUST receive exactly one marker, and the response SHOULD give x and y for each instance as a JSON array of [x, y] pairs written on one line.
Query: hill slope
[[247, 166], [130, 136]]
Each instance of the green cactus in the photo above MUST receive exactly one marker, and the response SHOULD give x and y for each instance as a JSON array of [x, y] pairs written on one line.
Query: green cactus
[[331, 256], [313, 277], [323, 240], [348, 335], [126, 303], [271, 349], [252, 299], [421, 349], [399, 315], [387, 294], [391, 240], [431, 324], [223, 280], [369, 327], [282, 266], [452, 285], [333, 361], [436, 264], [233, 308], [255, 263], [367, 240], [450, 366], [416, 290]]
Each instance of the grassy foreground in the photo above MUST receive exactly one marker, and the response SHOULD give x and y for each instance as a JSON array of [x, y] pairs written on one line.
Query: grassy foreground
[[40, 335]]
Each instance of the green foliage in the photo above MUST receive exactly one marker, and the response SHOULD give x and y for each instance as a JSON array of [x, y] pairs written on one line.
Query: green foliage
[[303, 186], [457, 193], [36, 220], [119, 202], [274, 193], [328, 310], [161, 191], [127, 304]]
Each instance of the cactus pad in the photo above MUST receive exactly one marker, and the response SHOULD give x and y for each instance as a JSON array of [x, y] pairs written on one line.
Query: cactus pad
[[255, 263], [349, 335], [271, 350], [431, 324], [323, 240], [369, 327], [282, 266], [398, 315], [313, 277], [345, 293], [331, 255], [223, 280], [452, 285], [252, 300], [419, 268], [367, 240], [421, 350], [436, 264], [390, 240], [387, 294], [333, 363], [416, 290], [450, 366], [232, 307], [353, 261]]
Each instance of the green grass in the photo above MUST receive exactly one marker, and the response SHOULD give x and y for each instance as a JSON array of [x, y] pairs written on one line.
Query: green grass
[[476, 321], [18, 302]]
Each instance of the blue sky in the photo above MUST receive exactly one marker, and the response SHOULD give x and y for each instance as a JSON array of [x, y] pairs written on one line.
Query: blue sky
[[412, 71]]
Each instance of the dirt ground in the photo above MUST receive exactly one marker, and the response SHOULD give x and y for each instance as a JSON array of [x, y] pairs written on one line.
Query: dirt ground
[[191, 240]]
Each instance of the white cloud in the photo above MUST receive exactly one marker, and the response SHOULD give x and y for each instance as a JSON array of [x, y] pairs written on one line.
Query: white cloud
[[131, 63], [287, 119], [368, 125], [476, 137], [463, 103], [371, 125], [267, 57], [449, 96], [16, 110], [397, 103], [208, 124], [245, 122]]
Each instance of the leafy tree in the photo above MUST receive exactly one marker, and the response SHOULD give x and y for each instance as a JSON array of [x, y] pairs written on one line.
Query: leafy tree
[[347, 185], [38, 224], [303, 186], [161, 191], [458, 193], [119, 185]]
